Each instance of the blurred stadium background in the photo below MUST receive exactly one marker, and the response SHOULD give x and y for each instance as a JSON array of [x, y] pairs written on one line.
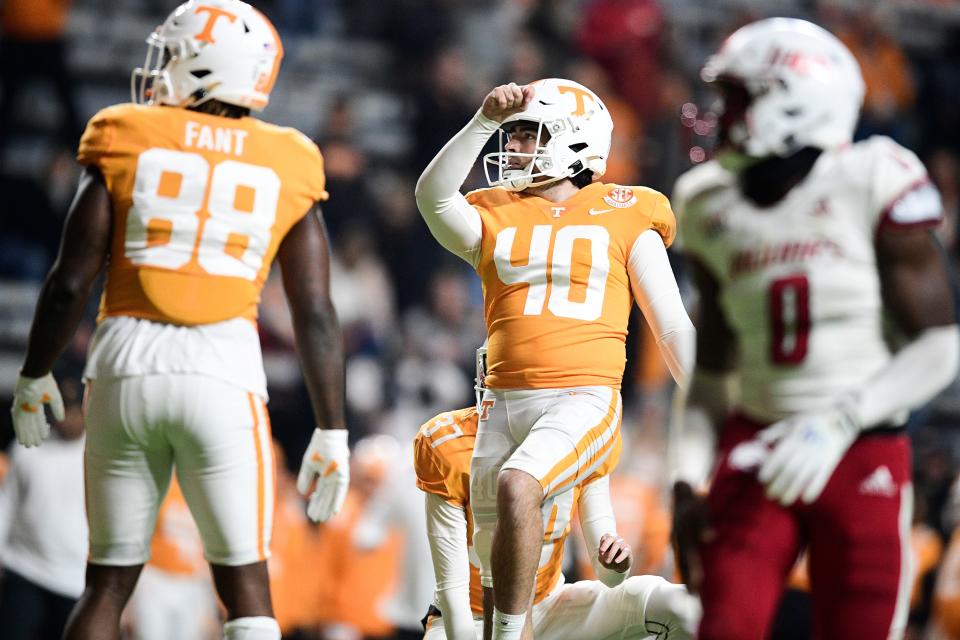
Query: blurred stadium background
[[381, 85]]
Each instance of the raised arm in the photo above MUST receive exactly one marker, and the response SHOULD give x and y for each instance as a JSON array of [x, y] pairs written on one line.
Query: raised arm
[[447, 532], [451, 219], [84, 249], [304, 257]]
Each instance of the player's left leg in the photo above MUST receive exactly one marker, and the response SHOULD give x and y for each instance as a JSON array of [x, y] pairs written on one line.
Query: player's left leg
[[859, 533], [640, 607]]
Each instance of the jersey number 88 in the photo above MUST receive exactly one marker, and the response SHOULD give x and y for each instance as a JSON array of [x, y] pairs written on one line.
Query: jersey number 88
[[182, 212]]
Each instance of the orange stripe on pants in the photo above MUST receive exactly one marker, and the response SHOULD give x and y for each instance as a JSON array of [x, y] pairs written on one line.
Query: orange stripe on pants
[[601, 453], [273, 465], [551, 523], [261, 551], [573, 457]]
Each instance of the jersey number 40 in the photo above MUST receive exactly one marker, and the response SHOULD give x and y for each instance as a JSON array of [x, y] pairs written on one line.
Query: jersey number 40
[[182, 212], [558, 280]]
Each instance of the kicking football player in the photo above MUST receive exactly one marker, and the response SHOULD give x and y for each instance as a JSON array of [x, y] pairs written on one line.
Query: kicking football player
[[185, 201], [800, 242], [561, 257], [612, 607]]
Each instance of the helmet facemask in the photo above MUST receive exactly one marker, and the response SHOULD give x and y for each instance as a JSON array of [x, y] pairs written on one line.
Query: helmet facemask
[[549, 161], [732, 110], [152, 83], [145, 81]]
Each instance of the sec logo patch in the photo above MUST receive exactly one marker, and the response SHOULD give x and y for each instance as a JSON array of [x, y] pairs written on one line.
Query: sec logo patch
[[621, 198]]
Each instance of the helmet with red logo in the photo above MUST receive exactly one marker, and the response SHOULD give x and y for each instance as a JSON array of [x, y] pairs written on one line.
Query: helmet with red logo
[[210, 50], [789, 84], [579, 128]]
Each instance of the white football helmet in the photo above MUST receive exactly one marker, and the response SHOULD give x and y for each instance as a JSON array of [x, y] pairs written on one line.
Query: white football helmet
[[210, 50], [804, 86], [579, 126]]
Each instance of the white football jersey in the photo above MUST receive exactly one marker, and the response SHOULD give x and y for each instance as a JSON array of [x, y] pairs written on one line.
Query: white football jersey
[[799, 280]]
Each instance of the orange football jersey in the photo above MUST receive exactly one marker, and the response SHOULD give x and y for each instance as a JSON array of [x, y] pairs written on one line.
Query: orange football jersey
[[200, 206], [442, 451], [557, 294]]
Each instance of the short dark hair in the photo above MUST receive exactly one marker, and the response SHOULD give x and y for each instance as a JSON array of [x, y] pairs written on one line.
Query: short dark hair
[[582, 179], [218, 108]]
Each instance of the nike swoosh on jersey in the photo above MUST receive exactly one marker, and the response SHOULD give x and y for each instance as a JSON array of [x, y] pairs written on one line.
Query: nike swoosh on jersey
[[596, 212]]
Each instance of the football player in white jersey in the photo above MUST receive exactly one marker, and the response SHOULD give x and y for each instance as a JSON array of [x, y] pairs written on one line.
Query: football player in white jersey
[[185, 200], [800, 242]]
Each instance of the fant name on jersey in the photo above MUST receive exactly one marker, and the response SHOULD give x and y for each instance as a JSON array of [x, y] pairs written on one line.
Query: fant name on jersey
[[208, 138], [799, 279]]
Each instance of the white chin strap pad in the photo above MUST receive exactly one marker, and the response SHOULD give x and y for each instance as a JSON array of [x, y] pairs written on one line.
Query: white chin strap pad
[[254, 628]]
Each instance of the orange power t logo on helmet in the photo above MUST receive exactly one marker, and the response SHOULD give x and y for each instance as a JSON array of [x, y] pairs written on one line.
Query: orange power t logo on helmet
[[579, 94], [207, 34]]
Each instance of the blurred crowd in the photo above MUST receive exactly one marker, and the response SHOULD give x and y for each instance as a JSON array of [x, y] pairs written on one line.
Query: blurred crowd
[[381, 85]]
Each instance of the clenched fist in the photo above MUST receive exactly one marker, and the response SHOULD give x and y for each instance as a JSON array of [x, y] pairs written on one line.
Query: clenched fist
[[506, 100]]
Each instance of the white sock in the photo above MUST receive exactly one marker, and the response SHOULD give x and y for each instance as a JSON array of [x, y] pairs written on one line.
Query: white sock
[[254, 628], [507, 626]]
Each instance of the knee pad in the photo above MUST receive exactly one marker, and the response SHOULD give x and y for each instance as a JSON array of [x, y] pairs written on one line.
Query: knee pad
[[253, 628]]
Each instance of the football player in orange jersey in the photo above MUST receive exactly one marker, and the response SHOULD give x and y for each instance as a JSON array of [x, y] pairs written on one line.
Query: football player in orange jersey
[[186, 200], [614, 606], [562, 258]]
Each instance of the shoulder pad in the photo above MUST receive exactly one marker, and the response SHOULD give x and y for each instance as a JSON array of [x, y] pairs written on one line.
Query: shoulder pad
[[697, 182]]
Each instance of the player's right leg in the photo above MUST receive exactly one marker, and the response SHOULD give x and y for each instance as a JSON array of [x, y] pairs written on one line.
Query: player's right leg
[[127, 464], [224, 457], [754, 546], [860, 556]]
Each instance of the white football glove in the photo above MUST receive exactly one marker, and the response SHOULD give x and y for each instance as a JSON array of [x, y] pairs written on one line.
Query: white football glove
[[29, 419], [806, 450], [327, 460]]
